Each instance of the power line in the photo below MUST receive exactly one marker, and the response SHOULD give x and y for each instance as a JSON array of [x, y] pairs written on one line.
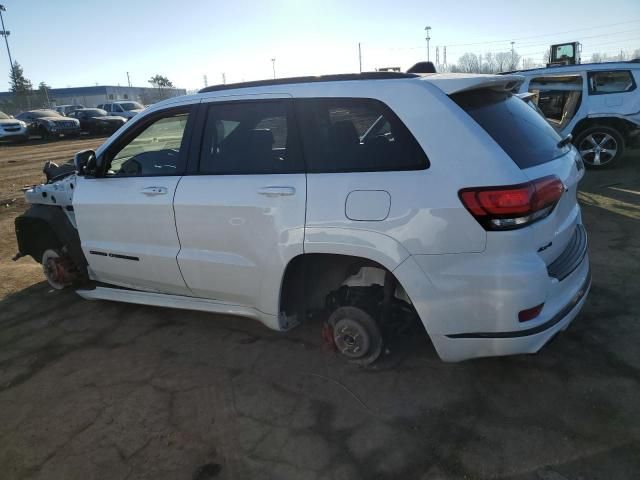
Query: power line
[[545, 34], [530, 44]]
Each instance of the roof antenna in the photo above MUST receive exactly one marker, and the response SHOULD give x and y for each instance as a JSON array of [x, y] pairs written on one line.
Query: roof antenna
[[423, 67]]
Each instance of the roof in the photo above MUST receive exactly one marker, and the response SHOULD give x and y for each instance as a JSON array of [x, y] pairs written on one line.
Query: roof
[[310, 79], [579, 67]]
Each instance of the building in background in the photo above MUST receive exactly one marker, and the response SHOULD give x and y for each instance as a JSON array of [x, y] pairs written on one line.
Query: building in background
[[86, 96]]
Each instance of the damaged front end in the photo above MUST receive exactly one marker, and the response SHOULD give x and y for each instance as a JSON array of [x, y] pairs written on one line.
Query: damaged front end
[[47, 231]]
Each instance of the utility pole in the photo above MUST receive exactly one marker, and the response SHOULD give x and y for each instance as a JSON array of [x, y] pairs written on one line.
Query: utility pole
[[128, 80], [206, 84], [273, 64], [437, 55], [224, 79], [445, 56], [360, 56], [427, 38], [512, 56], [5, 34]]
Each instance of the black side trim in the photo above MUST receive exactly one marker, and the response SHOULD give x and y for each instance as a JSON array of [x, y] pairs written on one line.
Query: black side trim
[[95, 252], [124, 257], [557, 318], [572, 255]]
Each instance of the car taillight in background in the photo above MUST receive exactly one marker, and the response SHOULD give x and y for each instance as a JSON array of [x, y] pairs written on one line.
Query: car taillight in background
[[514, 206]]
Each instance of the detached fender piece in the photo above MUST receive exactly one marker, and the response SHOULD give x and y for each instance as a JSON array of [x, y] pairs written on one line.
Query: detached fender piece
[[44, 226]]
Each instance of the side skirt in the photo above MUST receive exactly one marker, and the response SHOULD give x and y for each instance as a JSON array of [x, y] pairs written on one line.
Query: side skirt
[[179, 301]]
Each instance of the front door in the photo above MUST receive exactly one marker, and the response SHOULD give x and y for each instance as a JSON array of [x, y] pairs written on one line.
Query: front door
[[240, 216], [125, 219]]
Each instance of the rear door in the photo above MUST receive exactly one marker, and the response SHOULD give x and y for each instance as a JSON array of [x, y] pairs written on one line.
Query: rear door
[[125, 220], [240, 214]]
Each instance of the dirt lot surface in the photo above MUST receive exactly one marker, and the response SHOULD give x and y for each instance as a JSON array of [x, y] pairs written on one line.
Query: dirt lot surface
[[98, 390]]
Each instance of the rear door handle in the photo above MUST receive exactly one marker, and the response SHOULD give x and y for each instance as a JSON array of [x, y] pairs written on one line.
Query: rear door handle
[[277, 191], [152, 191]]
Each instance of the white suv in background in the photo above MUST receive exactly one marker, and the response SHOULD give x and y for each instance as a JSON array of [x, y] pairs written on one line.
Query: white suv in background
[[124, 109], [370, 199], [597, 103], [12, 129]]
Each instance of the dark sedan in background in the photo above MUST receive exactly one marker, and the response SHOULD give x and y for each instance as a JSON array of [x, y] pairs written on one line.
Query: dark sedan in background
[[49, 123], [96, 120]]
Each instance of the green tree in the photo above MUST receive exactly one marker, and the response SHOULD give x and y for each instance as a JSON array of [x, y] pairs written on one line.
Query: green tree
[[19, 83], [160, 81], [43, 94]]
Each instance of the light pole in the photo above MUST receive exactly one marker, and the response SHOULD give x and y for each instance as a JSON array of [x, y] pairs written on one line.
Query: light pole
[[273, 65], [427, 38], [5, 34], [512, 56]]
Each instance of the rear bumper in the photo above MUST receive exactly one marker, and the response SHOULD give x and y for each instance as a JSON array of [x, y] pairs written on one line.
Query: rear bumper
[[469, 303], [462, 346]]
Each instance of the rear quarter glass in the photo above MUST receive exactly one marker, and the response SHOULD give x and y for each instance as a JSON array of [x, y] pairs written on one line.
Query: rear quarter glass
[[518, 129]]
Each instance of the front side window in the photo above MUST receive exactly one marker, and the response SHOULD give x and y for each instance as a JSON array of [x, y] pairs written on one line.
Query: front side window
[[610, 82], [250, 138], [155, 150], [355, 135], [128, 106]]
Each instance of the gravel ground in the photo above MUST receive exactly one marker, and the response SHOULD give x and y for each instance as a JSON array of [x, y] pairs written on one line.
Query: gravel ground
[[98, 390]]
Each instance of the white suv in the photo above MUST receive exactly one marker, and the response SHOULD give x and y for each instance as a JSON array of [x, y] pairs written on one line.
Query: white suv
[[597, 103], [125, 109], [370, 198]]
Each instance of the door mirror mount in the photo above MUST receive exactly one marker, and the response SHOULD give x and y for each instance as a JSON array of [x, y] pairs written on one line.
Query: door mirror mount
[[85, 162]]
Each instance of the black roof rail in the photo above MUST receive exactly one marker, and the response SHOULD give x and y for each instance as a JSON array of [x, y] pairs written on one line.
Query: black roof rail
[[310, 79]]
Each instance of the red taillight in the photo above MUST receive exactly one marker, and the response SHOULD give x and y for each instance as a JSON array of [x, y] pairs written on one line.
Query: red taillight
[[504, 208], [530, 313]]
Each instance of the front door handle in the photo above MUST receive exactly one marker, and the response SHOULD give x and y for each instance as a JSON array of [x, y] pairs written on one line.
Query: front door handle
[[152, 191], [277, 191]]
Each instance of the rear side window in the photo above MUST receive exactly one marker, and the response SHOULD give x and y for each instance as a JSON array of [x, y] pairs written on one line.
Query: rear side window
[[250, 138], [355, 135], [521, 132], [610, 82]]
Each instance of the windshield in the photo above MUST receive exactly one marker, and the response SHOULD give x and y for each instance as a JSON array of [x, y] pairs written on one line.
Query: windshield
[[4, 116], [521, 132], [126, 106], [44, 113], [94, 112]]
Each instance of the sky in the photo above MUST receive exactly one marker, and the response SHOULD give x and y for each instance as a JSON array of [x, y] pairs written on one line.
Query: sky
[[88, 42]]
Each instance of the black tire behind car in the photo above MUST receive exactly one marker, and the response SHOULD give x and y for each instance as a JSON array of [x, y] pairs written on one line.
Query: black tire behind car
[[600, 146]]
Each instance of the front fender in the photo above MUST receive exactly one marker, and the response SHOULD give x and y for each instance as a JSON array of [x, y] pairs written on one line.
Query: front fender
[[44, 226]]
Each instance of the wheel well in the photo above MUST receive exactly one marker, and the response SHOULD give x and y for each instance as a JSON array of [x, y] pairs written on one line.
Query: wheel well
[[619, 124], [308, 279], [34, 236]]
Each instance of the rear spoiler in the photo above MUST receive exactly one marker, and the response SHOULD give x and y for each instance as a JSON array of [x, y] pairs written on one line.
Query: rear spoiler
[[451, 83]]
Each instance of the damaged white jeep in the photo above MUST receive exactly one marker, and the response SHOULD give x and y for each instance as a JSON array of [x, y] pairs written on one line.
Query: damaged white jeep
[[373, 199]]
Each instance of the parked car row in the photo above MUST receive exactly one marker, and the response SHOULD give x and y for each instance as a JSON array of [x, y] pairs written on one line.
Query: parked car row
[[67, 120]]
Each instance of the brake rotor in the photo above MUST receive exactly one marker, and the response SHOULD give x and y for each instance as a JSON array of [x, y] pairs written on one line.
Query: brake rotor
[[58, 269], [351, 338]]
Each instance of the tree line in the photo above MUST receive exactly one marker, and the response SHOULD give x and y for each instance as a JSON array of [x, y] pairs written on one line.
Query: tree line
[[511, 60]]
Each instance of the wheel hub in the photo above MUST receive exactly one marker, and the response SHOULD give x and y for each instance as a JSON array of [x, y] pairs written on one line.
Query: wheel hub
[[351, 339], [58, 269]]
